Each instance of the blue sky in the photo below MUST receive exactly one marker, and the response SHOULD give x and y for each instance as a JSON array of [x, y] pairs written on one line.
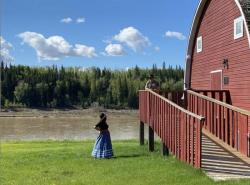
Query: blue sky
[[113, 33]]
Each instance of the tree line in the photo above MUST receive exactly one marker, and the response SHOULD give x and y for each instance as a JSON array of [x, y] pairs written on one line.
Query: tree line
[[58, 87]]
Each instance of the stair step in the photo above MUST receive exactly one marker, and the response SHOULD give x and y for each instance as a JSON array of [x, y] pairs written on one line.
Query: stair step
[[220, 164]]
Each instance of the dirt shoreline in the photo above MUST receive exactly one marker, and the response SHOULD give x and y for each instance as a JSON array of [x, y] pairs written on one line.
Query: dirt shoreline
[[28, 112]]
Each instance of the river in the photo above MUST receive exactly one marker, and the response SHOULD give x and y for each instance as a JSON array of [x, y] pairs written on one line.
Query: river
[[67, 126]]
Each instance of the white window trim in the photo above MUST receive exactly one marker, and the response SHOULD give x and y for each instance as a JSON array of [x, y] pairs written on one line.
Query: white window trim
[[236, 21], [216, 71], [199, 39]]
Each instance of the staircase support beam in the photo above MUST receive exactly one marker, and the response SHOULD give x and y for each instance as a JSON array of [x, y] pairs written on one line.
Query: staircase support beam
[[150, 139], [141, 133], [164, 149]]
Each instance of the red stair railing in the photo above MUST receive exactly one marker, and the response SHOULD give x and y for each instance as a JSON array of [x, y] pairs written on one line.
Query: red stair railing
[[230, 124], [179, 129]]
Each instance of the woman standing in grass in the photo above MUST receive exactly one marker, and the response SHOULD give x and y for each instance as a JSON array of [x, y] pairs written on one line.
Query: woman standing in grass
[[103, 145]]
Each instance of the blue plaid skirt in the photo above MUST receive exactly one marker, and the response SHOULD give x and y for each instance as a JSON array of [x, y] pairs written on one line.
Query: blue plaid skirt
[[103, 146]]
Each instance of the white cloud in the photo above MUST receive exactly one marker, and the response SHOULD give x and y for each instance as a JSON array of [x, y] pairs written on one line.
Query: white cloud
[[114, 50], [133, 38], [80, 20], [5, 48], [107, 41], [177, 35], [103, 54], [157, 48], [55, 47], [85, 51], [66, 20]]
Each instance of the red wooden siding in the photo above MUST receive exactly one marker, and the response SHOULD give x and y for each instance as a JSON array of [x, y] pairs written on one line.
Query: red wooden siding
[[217, 30]]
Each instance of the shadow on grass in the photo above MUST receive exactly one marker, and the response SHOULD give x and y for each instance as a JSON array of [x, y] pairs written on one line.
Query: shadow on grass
[[128, 156]]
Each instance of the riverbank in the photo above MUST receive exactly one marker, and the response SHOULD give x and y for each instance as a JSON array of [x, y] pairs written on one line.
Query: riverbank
[[28, 112], [69, 162]]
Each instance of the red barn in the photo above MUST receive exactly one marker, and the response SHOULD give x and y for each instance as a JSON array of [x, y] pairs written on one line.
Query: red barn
[[218, 56], [217, 70]]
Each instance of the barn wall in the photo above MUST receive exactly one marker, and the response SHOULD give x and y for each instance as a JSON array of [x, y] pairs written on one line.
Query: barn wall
[[217, 30]]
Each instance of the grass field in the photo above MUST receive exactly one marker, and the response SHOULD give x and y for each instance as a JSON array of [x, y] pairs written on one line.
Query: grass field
[[69, 162]]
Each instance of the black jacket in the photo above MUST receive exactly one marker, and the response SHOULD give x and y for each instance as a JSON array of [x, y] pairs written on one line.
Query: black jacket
[[102, 124]]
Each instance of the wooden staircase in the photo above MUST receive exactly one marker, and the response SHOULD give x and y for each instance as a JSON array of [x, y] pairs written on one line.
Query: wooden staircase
[[220, 164], [205, 133]]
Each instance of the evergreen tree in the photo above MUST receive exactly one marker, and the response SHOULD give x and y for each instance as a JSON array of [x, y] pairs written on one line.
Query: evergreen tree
[[60, 87]]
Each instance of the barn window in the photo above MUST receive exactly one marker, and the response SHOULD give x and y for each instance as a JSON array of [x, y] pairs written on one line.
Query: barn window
[[238, 28], [199, 44], [226, 80]]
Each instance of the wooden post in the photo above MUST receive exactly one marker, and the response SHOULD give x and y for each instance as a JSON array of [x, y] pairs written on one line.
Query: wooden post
[[164, 149], [141, 134], [185, 101], [170, 96], [150, 139]]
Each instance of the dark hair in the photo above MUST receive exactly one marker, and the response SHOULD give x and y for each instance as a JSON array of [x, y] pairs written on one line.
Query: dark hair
[[102, 115], [151, 76]]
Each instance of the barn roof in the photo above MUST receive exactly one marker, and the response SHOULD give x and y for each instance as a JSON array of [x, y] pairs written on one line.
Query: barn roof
[[244, 7], [245, 4]]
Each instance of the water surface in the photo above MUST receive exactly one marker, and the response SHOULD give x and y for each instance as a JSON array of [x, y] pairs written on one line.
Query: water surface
[[67, 126]]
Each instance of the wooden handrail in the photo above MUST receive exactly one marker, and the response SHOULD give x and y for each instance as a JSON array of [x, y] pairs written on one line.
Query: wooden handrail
[[236, 109], [175, 105], [199, 90]]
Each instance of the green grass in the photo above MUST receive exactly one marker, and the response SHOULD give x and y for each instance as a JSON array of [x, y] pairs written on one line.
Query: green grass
[[69, 162]]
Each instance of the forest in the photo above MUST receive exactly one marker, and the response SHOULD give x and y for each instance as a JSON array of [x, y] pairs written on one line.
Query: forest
[[60, 87]]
